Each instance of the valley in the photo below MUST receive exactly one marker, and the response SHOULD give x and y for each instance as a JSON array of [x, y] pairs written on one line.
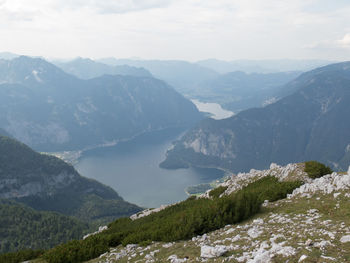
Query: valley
[[162, 171], [176, 131], [213, 109], [132, 169]]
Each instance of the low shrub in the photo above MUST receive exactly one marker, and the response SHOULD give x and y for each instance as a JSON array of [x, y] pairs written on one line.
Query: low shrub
[[315, 169], [78, 250], [20, 256]]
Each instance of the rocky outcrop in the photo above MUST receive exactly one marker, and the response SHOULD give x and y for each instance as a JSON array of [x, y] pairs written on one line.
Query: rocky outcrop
[[213, 252], [327, 184], [100, 229], [292, 171]]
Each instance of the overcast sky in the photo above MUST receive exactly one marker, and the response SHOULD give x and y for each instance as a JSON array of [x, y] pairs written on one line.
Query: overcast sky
[[177, 29]]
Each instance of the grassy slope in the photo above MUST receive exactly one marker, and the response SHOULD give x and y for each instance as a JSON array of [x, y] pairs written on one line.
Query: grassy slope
[[294, 226], [289, 223]]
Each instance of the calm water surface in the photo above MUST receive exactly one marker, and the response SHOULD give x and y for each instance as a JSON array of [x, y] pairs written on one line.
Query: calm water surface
[[131, 168], [215, 109]]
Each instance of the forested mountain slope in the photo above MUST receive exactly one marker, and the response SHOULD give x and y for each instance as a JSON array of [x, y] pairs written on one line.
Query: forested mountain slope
[[45, 182], [50, 110], [311, 123]]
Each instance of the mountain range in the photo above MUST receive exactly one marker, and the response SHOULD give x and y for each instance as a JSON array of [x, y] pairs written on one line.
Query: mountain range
[[238, 90], [235, 91], [51, 110], [182, 75], [263, 66], [8, 55], [86, 68], [309, 124]]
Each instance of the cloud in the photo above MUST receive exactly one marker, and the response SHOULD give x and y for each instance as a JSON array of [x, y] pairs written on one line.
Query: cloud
[[183, 29], [344, 42], [14, 13], [125, 6], [112, 6], [338, 44]]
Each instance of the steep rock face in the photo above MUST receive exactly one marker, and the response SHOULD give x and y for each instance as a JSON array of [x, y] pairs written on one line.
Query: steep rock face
[[309, 124], [52, 111], [47, 183]]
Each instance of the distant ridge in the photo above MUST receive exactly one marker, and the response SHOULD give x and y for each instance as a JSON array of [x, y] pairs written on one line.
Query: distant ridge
[[8, 55], [85, 68], [264, 65], [51, 110], [182, 75], [309, 124]]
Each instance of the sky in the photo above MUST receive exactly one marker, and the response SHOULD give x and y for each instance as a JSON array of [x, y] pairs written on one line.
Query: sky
[[177, 29]]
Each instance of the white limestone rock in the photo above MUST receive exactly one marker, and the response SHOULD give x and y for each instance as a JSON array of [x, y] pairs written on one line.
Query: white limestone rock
[[254, 232], [326, 184], [175, 259], [147, 212], [302, 258], [100, 229], [213, 252], [345, 239], [168, 245]]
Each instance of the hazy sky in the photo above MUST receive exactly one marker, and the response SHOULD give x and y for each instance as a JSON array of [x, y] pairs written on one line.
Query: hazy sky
[[177, 29]]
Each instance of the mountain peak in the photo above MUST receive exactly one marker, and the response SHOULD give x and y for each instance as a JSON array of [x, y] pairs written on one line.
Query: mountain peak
[[29, 71]]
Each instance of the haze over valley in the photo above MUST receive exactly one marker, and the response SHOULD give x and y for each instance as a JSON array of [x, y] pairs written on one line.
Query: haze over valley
[[174, 131]]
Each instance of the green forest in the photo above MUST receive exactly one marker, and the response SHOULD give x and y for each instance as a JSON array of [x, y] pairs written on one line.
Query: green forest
[[22, 227]]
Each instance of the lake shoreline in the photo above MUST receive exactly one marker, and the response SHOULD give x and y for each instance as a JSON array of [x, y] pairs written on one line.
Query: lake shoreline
[[132, 169]]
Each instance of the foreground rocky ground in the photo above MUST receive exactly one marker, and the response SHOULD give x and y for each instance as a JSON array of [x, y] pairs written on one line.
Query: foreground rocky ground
[[311, 225]]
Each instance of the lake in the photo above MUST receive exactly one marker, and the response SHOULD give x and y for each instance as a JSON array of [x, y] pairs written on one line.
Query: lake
[[214, 109], [131, 168]]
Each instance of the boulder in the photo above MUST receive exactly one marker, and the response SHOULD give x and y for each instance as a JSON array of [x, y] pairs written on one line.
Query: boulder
[[213, 252], [345, 239]]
